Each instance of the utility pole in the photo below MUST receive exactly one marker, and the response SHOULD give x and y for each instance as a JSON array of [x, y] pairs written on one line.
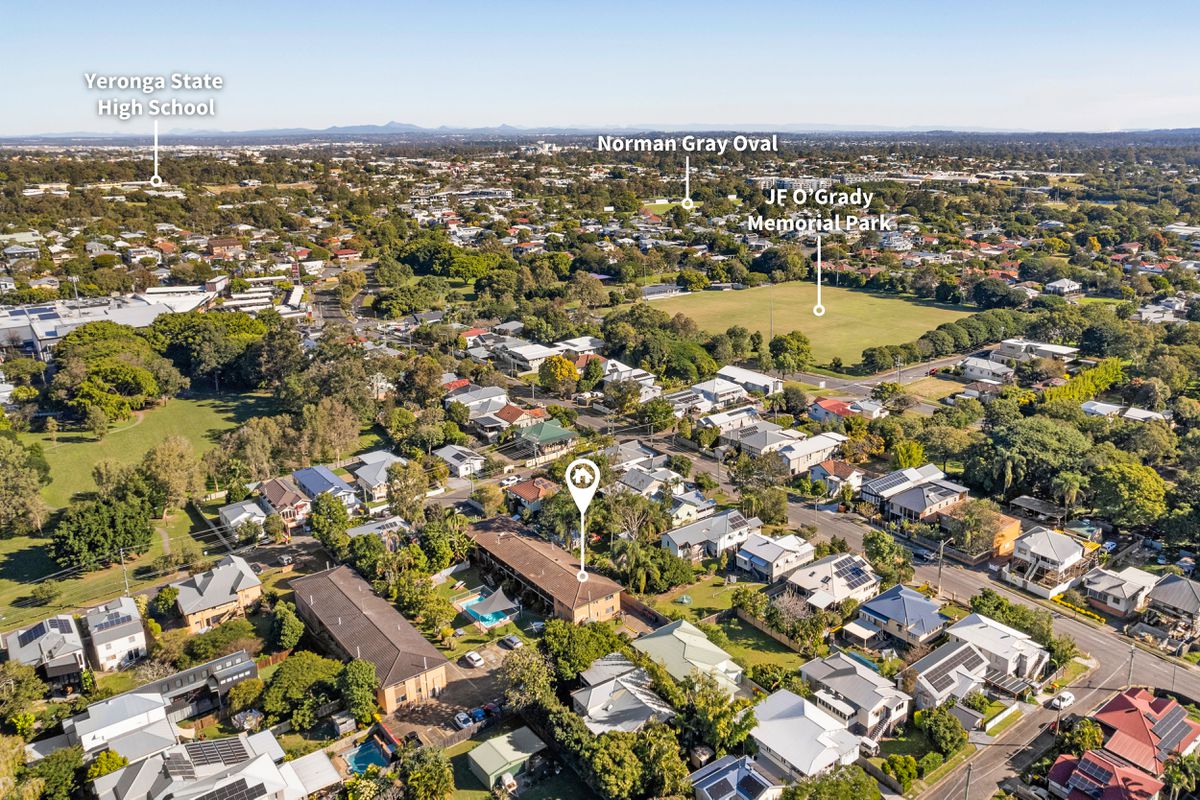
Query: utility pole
[[941, 563], [1129, 677], [124, 572], [967, 788], [897, 369]]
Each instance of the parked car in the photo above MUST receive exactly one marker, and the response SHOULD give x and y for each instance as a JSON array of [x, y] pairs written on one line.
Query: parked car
[[512, 642], [413, 739], [511, 480], [492, 709], [462, 721], [285, 560], [1063, 700], [477, 714], [474, 659]]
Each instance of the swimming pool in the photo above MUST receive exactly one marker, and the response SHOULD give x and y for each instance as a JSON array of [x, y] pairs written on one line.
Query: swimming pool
[[487, 620], [367, 754]]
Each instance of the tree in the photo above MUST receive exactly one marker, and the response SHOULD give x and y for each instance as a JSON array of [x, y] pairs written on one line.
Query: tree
[[791, 352], [1084, 735], [20, 689], [907, 453], [286, 627], [489, 498], [1131, 495], [712, 717], [93, 533], [903, 768], [172, 473], [656, 414], [615, 766], [526, 678], [843, 783], [12, 764], [303, 677], [106, 761], [407, 484], [944, 730], [58, 773], [329, 520], [557, 374], [96, 421], [245, 694], [45, 593], [164, 601], [426, 773], [22, 509], [888, 557], [664, 774], [357, 685]]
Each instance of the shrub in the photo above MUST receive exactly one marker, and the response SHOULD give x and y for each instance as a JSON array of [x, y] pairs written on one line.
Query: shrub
[[903, 769], [929, 762]]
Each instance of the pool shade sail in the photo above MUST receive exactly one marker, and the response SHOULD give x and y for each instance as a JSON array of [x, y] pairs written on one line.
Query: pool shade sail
[[494, 603]]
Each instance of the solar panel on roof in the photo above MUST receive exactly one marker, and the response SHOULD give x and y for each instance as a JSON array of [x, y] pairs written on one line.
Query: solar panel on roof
[[1102, 775], [217, 751], [113, 619], [237, 790], [751, 786], [177, 765], [33, 634], [722, 788]]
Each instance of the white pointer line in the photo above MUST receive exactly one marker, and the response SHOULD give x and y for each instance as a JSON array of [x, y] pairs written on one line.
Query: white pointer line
[[818, 309]]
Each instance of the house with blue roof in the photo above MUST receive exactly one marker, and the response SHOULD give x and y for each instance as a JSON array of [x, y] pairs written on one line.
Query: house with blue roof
[[315, 481], [904, 614]]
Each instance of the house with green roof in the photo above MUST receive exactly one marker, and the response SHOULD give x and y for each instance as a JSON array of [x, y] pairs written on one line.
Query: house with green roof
[[504, 754], [546, 439]]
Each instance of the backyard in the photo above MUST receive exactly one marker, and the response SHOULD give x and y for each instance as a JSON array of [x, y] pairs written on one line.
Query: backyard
[[706, 597], [564, 786], [854, 319]]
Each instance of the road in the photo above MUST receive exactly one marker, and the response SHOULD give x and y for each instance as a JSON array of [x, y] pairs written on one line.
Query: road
[[996, 762]]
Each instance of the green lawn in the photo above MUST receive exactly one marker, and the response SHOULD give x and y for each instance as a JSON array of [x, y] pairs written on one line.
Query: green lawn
[[854, 319], [749, 646], [934, 387], [708, 596], [26, 559], [200, 419], [1073, 672]]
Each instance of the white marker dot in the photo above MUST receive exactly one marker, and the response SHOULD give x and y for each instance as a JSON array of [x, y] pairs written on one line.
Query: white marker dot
[[818, 310], [156, 181], [688, 203], [582, 576]]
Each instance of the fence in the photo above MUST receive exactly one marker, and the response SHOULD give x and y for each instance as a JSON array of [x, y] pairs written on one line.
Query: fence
[[995, 721], [768, 630], [635, 607]]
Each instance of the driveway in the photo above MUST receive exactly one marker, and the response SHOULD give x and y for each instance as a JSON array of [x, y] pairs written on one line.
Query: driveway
[[466, 687]]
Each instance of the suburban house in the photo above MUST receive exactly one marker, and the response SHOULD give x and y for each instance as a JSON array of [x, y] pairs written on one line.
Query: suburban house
[[1005, 530], [1011, 654], [687, 506], [711, 536], [53, 647], [285, 499], [824, 409], [682, 648], [1064, 287], [924, 501], [371, 477], [133, 724], [835, 474], [833, 580], [904, 614], [807, 453], [735, 778], [462, 462], [531, 493], [866, 702], [800, 739], [1097, 774], [955, 669], [504, 755], [1120, 594], [116, 638], [546, 439], [226, 591], [984, 369], [232, 768], [354, 622], [235, 515], [1026, 350], [768, 559], [650, 482], [319, 480], [721, 393], [1178, 600], [761, 438], [881, 490], [1145, 731], [751, 381], [627, 455], [618, 695], [506, 550], [1046, 562], [730, 420]]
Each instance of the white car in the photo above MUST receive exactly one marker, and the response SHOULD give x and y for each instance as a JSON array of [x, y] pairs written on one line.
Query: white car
[[474, 659], [1063, 700], [511, 480]]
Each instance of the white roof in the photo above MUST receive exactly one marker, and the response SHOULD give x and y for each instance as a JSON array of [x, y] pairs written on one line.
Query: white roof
[[991, 636], [816, 444], [743, 376], [803, 735]]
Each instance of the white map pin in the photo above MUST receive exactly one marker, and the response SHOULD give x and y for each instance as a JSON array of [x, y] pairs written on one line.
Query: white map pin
[[583, 478]]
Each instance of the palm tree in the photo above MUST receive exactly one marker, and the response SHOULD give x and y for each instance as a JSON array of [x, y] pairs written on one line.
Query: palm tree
[[636, 563], [1067, 487], [1178, 774]]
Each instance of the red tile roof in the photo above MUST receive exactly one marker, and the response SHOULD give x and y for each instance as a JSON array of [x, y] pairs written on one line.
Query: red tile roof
[[534, 489], [1124, 783], [834, 407], [1130, 719]]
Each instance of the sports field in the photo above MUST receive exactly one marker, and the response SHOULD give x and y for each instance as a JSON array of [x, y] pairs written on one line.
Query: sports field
[[854, 319]]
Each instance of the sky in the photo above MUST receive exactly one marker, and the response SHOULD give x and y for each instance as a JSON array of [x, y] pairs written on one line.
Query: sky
[[1049, 65]]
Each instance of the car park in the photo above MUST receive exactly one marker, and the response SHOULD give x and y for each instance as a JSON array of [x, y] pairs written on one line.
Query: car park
[[512, 642], [462, 721], [473, 658]]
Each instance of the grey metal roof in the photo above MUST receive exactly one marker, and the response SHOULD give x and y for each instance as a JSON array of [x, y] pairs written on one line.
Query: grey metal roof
[[216, 587], [1178, 592], [915, 612], [856, 683], [117, 619]]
